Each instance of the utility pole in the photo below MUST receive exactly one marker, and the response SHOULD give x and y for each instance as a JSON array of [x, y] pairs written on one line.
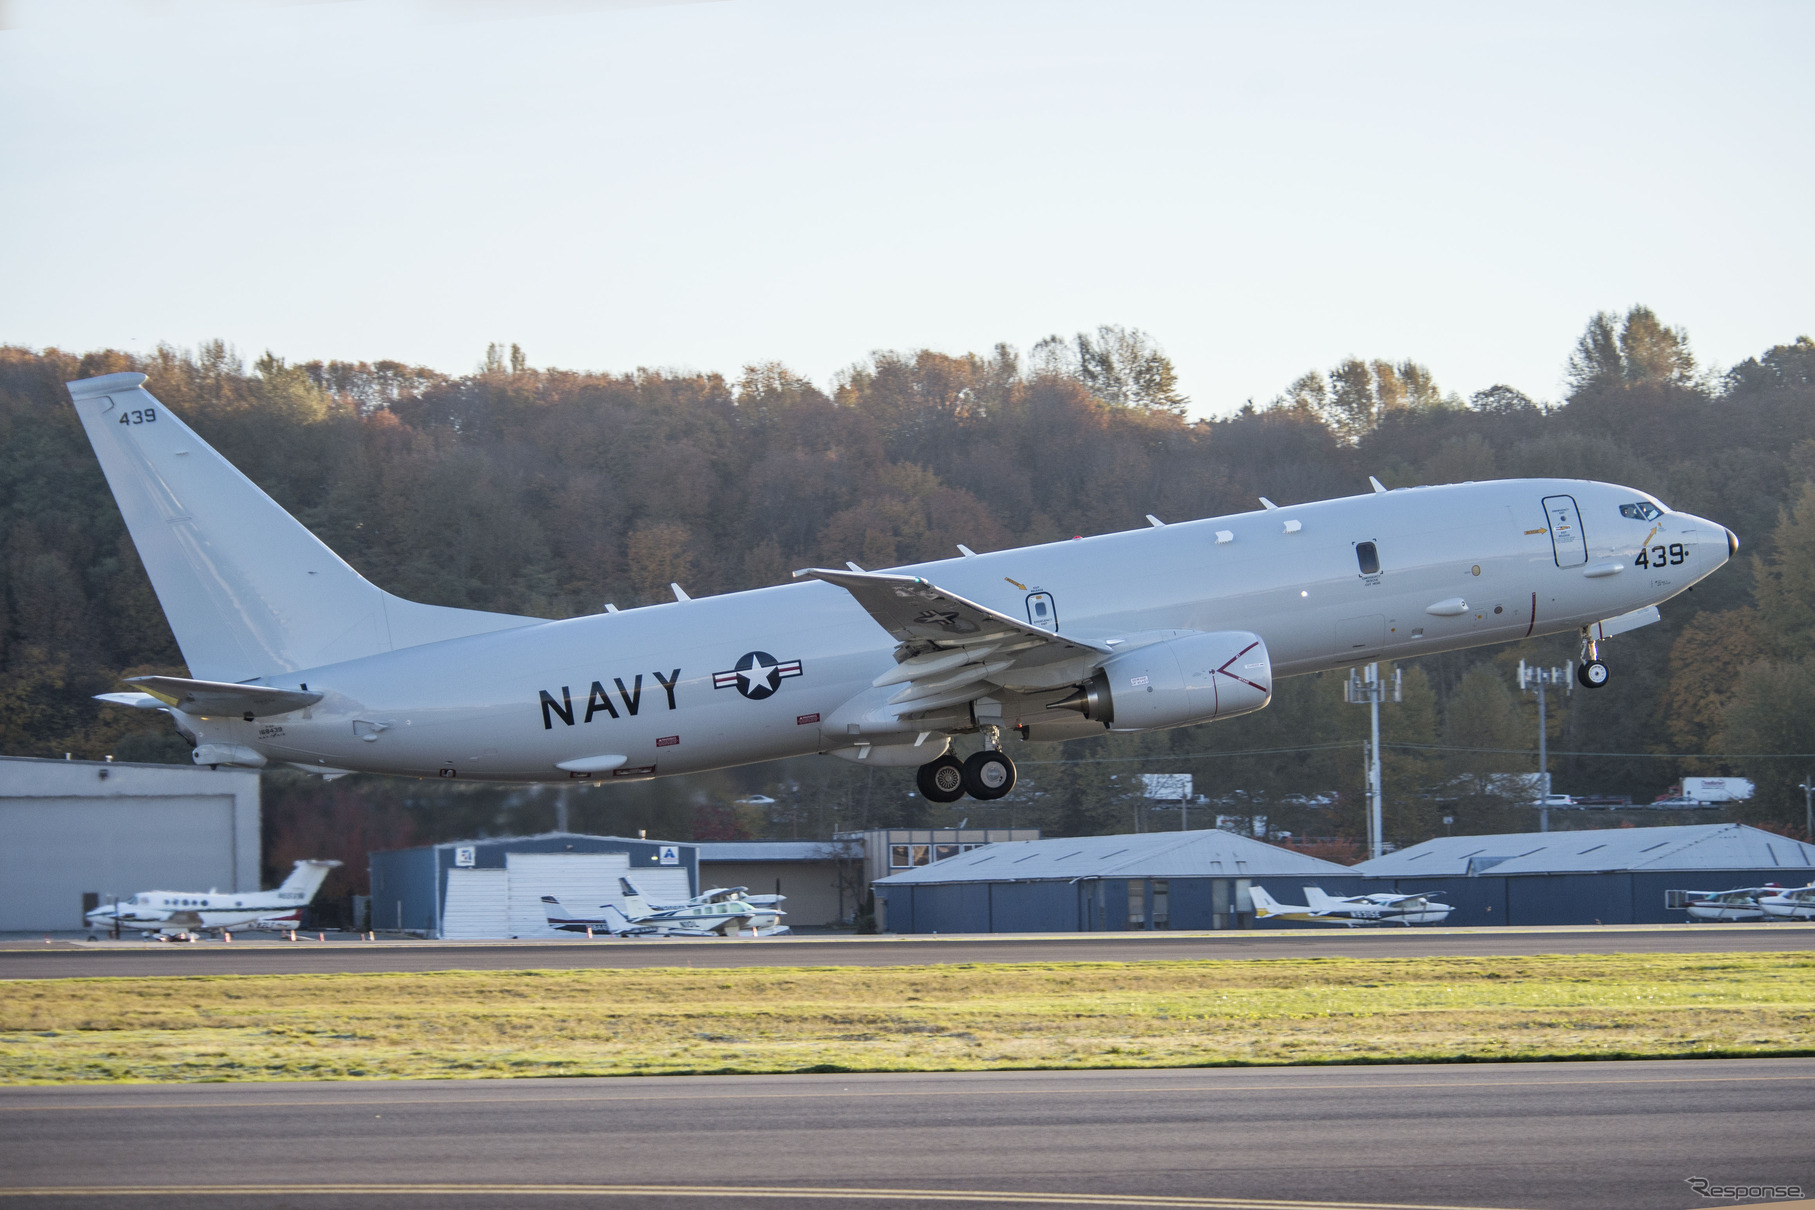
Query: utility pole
[[1808, 805], [1372, 690], [1538, 678]]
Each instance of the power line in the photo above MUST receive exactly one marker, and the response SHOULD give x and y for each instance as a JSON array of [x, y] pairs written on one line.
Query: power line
[[1531, 752], [1639, 755]]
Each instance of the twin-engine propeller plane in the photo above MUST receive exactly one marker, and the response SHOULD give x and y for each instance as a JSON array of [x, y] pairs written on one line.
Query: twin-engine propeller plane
[[296, 658], [1377, 908], [183, 914]]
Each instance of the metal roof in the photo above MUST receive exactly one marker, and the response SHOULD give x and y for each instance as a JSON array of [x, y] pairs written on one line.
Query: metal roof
[[1714, 846], [778, 850], [543, 838], [1207, 854]]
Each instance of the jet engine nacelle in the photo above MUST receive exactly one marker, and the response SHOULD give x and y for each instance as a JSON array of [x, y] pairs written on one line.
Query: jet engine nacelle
[[1178, 682]]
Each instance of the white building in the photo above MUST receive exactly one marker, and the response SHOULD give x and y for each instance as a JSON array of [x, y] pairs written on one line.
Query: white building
[[76, 833]]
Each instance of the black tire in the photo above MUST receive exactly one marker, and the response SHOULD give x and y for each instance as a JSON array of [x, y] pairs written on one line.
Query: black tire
[[989, 775], [941, 780], [1593, 674]]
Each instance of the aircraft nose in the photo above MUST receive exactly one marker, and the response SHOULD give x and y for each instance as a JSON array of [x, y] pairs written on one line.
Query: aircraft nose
[[1732, 544]]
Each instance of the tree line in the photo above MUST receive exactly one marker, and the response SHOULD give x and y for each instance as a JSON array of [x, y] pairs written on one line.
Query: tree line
[[552, 492]]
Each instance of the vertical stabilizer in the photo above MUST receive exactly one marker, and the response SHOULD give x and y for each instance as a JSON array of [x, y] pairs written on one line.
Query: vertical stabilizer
[[1319, 901], [249, 591], [1264, 904], [634, 905], [307, 878]]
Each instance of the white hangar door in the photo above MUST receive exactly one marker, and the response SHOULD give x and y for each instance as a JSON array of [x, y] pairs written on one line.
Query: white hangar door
[[581, 881], [477, 905]]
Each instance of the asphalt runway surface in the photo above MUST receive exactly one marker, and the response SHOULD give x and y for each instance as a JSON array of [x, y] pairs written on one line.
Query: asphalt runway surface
[[26, 960], [1538, 1135]]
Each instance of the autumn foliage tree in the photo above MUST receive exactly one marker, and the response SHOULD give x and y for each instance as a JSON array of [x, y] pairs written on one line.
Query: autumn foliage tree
[[550, 492]]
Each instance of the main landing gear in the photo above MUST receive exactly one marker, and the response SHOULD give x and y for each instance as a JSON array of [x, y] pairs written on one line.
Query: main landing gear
[[983, 775], [1592, 672]]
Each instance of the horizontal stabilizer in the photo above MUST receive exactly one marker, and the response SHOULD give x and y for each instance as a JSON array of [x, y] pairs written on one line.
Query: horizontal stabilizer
[[219, 698], [138, 701]]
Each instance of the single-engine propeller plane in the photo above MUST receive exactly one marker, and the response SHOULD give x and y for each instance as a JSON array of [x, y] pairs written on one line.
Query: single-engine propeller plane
[[721, 912], [1377, 908], [1737, 903], [295, 658]]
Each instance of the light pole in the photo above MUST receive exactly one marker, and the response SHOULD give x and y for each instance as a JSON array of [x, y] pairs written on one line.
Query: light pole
[[1371, 689], [1538, 678], [1808, 806]]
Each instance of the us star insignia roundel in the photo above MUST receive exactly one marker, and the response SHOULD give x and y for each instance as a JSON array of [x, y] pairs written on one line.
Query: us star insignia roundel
[[757, 675]]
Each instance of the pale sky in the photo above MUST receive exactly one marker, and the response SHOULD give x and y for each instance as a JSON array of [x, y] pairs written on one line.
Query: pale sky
[[1266, 188]]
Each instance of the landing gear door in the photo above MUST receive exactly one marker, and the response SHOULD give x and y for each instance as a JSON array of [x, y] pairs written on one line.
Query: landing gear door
[[1042, 612], [1566, 537]]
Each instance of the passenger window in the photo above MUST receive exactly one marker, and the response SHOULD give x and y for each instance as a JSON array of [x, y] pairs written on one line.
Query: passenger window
[[1368, 557]]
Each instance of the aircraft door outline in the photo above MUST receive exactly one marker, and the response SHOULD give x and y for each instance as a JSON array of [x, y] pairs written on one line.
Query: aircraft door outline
[[1043, 611], [1567, 541]]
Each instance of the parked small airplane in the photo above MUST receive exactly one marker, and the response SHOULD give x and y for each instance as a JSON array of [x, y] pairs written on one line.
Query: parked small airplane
[[294, 657], [1793, 903], [1740, 903], [184, 913], [1378, 908], [766, 921], [717, 913]]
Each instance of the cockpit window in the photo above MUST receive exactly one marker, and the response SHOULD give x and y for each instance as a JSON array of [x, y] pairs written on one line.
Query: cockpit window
[[1642, 511]]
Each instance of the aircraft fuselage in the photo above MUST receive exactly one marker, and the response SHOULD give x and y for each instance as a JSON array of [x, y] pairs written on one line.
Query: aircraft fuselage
[[759, 675]]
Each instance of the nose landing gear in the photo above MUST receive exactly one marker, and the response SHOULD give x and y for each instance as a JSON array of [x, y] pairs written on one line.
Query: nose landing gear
[[1592, 672]]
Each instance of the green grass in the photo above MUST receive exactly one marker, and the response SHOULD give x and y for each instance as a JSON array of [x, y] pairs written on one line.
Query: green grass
[[934, 1018]]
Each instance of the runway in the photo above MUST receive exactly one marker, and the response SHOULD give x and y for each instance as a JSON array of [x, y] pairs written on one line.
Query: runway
[[25, 960], [1541, 1135]]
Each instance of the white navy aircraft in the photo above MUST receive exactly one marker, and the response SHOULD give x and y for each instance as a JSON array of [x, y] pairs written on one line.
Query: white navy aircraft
[[184, 913], [296, 658], [1377, 908]]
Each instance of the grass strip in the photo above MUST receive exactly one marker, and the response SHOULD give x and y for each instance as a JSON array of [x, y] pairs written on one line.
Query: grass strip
[[929, 1018]]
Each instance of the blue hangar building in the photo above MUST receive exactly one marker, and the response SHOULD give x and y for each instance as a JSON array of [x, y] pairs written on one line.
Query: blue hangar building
[[1607, 876], [1203, 880], [1154, 880]]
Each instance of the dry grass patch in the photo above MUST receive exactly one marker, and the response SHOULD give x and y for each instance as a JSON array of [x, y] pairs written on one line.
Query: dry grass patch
[[933, 1018]]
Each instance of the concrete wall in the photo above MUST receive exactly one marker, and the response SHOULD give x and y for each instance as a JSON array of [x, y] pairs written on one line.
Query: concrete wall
[[114, 829]]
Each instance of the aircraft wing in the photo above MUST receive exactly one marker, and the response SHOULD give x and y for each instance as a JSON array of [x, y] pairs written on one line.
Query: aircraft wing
[[220, 698], [952, 650]]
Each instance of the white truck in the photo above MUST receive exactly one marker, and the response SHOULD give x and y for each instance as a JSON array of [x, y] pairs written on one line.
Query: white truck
[[1709, 790]]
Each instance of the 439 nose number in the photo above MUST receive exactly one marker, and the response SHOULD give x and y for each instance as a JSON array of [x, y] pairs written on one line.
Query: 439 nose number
[[1662, 556]]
